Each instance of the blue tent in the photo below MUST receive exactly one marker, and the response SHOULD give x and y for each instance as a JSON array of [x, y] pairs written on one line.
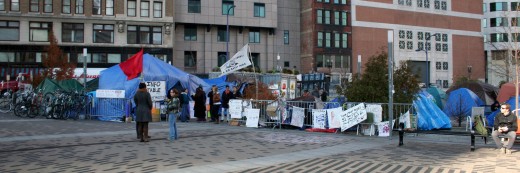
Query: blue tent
[[429, 116], [461, 101]]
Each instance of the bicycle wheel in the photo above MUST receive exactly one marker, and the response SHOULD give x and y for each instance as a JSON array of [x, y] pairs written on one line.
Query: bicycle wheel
[[21, 110], [5, 105]]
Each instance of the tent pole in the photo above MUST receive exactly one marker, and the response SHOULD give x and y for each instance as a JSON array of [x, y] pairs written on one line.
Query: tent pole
[[254, 71]]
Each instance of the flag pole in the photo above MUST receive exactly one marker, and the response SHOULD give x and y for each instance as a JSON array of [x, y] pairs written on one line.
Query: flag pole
[[254, 71]]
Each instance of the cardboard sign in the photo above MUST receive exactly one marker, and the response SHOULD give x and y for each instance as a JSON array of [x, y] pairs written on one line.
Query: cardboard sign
[[110, 94], [157, 90], [333, 117], [298, 115], [252, 117], [318, 118], [235, 108], [353, 116]]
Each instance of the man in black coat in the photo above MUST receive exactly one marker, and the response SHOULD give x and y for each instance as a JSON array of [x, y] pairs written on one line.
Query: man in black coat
[[505, 124]]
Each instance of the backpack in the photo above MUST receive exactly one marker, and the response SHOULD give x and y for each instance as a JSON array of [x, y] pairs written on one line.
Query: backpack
[[216, 97], [479, 126]]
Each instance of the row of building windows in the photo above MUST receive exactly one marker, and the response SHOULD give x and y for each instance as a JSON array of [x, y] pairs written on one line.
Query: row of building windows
[[501, 6], [501, 21], [423, 40], [227, 6], [441, 66], [67, 7], [343, 2], [74, 33], [324, 17], [37, 57], [333, 61], [437, 4], [325, 39], [190, 34], [502, 37]]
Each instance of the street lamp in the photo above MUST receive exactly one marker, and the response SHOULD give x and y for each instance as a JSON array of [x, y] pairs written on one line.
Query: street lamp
[[425, 49], [227, 31], [278, 63]]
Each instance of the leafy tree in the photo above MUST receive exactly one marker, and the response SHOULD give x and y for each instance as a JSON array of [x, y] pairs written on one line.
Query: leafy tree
[[56, 64], [373, 84], [263, 92]]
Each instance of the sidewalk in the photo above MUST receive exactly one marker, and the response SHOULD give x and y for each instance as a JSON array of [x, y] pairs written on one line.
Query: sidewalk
[[41, 145]]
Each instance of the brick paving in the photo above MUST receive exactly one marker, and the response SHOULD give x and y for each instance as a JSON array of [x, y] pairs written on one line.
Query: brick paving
[[41, 145]]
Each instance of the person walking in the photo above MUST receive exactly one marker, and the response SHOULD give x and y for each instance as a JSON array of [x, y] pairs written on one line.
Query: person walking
[[184, 100], [226, 96], [143, 102], [505, 124], [200, 104], [174, 108]]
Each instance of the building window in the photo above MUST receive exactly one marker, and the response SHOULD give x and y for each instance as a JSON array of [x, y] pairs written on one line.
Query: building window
[[157, 9], [344, 40], [498, 6], [109, 7], [193, 6], [420, 40], [256, 59], [226, 5], [484, 23], [320, 39], [327, 39], [221, 59], [438, 65], [319, 16], [190, 59], [47, 6], [259, 10], [326, 1], [484, 7], [103, 33], [337, 40], [132, 8], [499, 37], [405, 40], [405, 2], [286, 37], [286, 64], [144, 35], [515, 21], [2, 5], [190, 32], [514, 6], [72, 32], [444, 42], [336, 17], [221, 34], [344, 18], [65, 9], [15, 5], [39, 31], [145, 9], [426, 3], [35, 5], [445, 84], [10, 31], [79, 7], [254, 36], [96, 7], [99, 58], [515, 37], [444, 65], [327, 17], [319, 60], [499, 21]]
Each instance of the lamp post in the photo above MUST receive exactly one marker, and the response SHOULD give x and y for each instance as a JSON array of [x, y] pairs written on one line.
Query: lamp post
[[278, 68], [227, 31], [425, 49]]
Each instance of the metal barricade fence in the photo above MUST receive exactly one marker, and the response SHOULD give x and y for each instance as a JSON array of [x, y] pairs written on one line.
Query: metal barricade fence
[[399, 109], [109, 108]]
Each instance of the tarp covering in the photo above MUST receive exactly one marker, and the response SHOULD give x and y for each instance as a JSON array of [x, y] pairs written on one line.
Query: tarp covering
[[51, 85], [486, 92], [506, 91], [439, 96], [461, 101], [429, 116]]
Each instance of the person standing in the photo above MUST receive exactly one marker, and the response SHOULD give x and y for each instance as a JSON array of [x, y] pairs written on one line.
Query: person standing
[[174, 107], [184, 100], [143, 102], [215, 98], [200, 104], [323, 95], [236, 93], [226, 96], [210, 101], [505, 124]]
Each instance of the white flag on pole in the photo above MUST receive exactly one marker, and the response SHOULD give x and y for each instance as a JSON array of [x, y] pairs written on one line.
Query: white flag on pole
[[237, 62]]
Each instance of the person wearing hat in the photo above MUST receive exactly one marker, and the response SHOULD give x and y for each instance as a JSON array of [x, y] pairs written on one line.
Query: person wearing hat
[[143, 111]]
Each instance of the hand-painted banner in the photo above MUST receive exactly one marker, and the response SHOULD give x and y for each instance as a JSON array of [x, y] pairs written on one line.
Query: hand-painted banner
[[384, 128], [235, 108], [353, 116], [318, 118], [377, 110], [297, 117], [333, 117], [237, 62], [252, 117]]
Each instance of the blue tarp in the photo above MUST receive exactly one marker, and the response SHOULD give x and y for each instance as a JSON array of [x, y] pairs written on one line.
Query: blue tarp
[[429, 115], [439, 96], [461, 101], [491, 117]]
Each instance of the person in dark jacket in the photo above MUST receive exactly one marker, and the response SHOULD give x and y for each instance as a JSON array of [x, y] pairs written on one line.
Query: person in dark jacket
[[236, 93], [210, 98], [505, 124], [185, 100], [226, 96], [200, 105], [143, 111]]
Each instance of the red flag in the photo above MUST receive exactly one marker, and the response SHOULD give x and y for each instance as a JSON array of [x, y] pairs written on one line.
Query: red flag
[[133, 66]]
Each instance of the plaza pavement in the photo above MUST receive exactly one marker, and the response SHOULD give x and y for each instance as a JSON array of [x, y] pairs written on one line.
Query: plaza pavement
[[41, 145]]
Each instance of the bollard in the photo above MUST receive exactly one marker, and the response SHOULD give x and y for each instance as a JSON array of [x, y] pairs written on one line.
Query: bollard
[[401, 133], [472, 140]]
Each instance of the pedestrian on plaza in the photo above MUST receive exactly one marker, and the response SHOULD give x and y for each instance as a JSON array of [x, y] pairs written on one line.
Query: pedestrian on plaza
[[143, 102], [316, 92], [323, 95], [505, 124], [174, 107], [210, 101], [200, 104], [226, 96], [216, 103], [236, 93], [185, 100]]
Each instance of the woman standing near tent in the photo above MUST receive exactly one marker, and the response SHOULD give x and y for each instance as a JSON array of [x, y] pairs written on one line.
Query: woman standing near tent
[[143, 111], [174, 107], [200, 104]]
